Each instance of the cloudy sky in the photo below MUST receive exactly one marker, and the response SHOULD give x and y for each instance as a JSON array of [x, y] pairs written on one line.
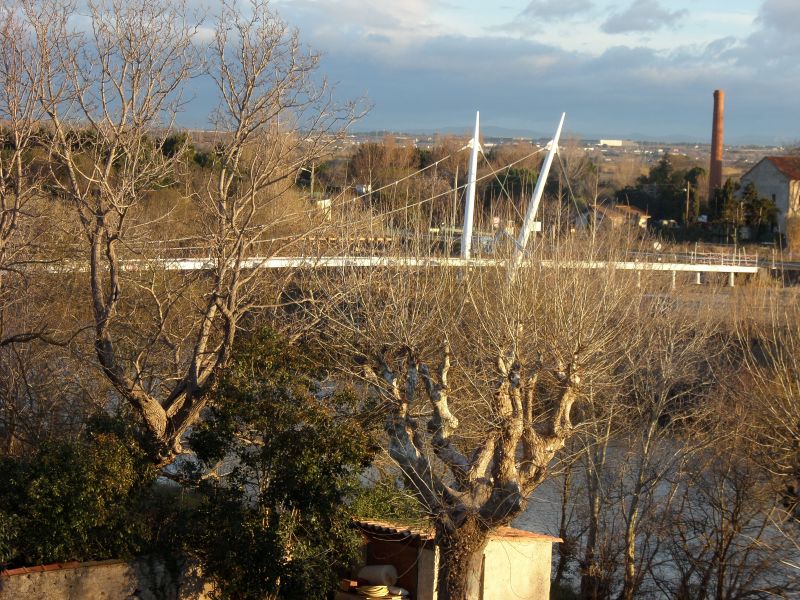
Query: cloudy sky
[[619, 68]]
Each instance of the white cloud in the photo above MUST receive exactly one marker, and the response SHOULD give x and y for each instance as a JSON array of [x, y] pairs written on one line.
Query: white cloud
[[394, 20], [774, 46], [781, 15], [642, 15], [556, 9], [426, 63], [204, 34]]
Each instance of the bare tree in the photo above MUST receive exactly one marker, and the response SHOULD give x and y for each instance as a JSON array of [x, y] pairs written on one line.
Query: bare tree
[[598, 526], [512, 355], [768, 383], [32, 407], [670, 378], [112, 97], [578, 174], [20, 113], [626, 171], [720, 538], [675, 503], [46, 394], [765, 392]]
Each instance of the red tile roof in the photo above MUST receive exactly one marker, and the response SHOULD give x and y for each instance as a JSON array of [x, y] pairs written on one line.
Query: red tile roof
[[788, 165], [73, 564], [40, 568], [426, 534]]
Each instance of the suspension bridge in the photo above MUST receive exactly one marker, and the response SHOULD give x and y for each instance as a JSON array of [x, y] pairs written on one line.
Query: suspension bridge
[[179, 257]]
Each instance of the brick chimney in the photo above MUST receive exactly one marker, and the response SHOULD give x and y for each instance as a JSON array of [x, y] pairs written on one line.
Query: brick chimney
[[717, 130]]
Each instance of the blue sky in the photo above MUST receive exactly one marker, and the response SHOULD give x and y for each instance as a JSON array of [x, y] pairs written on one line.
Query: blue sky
[[644, 68]]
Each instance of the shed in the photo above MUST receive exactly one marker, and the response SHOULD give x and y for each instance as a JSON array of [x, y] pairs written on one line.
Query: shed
[[516, 563], [614, 215]]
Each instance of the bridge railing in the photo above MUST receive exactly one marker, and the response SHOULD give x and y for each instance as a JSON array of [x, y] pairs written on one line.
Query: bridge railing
[[378, 245], [190, 249], [737, 259]]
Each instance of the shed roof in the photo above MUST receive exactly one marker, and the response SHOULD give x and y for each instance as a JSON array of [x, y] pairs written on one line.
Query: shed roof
[[632, 210], [426, 534]]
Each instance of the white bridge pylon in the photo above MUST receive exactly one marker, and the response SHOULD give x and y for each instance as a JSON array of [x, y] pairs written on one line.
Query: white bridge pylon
[[536, 198], [533, 205], [472, 179]]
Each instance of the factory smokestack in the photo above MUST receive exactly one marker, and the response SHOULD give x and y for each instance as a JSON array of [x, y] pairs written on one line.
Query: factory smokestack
[[717, 130]]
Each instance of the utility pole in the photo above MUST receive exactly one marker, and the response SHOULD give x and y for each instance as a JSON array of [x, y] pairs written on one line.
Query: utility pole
[[686, 208]]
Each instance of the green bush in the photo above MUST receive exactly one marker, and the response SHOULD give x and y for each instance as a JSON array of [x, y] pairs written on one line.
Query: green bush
[[384, 500], [8, 536], [275, 524], [74, 500]]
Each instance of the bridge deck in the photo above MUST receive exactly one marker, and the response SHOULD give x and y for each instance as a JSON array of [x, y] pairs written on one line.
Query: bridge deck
[[296, 262]]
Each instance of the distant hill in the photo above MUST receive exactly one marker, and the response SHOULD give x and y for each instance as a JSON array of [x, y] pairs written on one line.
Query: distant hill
[[496, 131]]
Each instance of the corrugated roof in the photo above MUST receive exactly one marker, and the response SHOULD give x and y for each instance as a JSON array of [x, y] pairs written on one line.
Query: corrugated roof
[[788, 165], [426, 534]]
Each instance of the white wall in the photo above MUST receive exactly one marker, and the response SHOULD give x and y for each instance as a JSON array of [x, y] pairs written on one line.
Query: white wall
[[426, 574], [517, 570], [513, 569], [769, 182]]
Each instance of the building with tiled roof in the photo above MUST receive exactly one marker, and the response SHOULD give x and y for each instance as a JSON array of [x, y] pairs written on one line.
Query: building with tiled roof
[[778, 178], [613, 215], [515, 566]]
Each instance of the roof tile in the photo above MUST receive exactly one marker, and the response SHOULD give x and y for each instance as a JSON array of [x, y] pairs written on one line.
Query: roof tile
[[44, 568], [426, 534], [788, 165]]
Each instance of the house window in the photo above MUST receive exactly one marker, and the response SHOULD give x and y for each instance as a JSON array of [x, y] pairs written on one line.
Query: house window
[[773, 197]]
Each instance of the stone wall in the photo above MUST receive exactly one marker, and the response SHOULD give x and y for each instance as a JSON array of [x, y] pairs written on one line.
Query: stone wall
[[141, 579]]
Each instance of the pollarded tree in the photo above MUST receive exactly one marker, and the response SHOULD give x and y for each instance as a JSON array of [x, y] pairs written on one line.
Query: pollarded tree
[[114, 92], [480, 372]]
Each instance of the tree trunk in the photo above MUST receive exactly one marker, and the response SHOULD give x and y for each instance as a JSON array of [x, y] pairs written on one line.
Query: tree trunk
[[629, 585], [565, 550], [461, 560], [590, 577], [594, 584]]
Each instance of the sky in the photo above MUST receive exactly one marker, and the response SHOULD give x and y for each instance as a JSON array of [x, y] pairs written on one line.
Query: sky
[[643, 69]]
